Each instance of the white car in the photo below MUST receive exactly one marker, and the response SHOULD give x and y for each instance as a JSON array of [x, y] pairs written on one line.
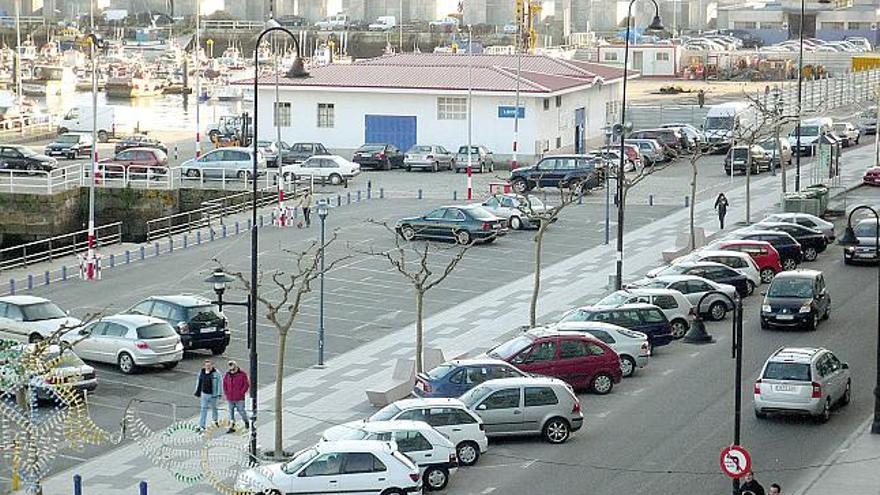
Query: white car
[[225, 163], [432, 452], [678, 310], [741, 262], [450, 417], [693, 288], [31, 319], [516, 209], [368, 466], [632, 347], [847, 132], [806, 220], [332, 168]]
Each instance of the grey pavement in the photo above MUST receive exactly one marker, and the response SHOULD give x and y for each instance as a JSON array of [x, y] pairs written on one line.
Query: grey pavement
[[853, 469]]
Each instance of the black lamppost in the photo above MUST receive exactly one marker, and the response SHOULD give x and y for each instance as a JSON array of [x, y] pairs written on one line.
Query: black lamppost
[[655, 26], [219, 279], [850, 240], [323, 209]]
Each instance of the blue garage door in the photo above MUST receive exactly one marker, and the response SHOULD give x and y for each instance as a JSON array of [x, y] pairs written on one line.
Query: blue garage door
[[398, 130]]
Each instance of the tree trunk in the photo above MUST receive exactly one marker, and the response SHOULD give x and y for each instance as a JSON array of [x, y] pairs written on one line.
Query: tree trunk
[[420, 335], [748, 184], [693, 235], [536, 288], [279, 387]]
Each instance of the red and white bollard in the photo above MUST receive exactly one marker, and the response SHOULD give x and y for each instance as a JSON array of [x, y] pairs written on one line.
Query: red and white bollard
[[283, 214], [90, 263], [470, 184]]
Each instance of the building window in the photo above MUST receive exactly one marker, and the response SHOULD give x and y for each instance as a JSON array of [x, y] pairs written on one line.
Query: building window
[[662, 56], [833, 26], [449, 108], [771, 25], [610, 56], [745, 25], [860, 26], [325, 114], [546, 103], [282, 114], [558, 142], [558, 101]]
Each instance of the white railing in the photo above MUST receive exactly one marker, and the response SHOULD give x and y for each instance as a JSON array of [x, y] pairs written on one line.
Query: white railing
[[224, 179], [136, 176], [40, 181]]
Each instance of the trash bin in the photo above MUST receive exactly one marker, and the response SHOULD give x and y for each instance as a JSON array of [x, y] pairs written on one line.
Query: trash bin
[[821, 192]]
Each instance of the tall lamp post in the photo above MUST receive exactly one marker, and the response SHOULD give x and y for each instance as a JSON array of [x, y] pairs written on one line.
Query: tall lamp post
[[655, 26], [850, 240], [90, 270], [323, 209], [800, 82]]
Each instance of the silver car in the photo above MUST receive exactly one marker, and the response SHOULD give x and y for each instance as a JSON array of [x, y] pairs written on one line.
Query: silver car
[[128, 341], [526, 406], [429, 157], [31, 318], [694, 288], [225, 163], [805, 220], [518, 210], [482, 160], [802, 380]]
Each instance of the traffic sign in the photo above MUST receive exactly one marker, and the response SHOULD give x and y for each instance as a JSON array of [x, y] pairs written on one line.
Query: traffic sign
[[735, 461]]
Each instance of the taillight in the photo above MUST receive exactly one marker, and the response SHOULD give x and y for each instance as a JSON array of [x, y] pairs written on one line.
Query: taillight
[[486, 226], [381, 155], [758, 387], [414, 476], [426, 387], [576, 408], [817, 391], [140, 344]]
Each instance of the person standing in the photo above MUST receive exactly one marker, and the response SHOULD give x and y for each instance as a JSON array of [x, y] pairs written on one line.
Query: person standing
[[721, 205], [751, 485], [305, 202], [235, 387], [208, 391], [775, 489]]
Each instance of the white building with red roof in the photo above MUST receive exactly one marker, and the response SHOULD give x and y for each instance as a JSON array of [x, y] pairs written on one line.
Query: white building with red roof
[[407, 99]]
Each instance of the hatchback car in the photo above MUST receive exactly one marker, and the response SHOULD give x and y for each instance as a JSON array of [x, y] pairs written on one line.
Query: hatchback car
[[453, 378], [368, 466], [32, 319], [802, 380], [710, 270], [632, 347], [847, 133], [558, 171], [737, 159], [379, 156], [299, 152], [70, 146], [518, 210], [482, 160], [128, 341], [199, 322], [741, 262], [640, 317], [462, 224], [694, 288], [137, 161], [866, 248], [872, 176], [651, 150], [64, 369], [773, 146], [139, 141], [271, 150], [812, 241], [527, 406], [806, 220], [797, 298], [332, 168], [671, 138], [678, 310], [225, 163], [428, 157], [790, 252], [18, 157], [763, 253], [582, 361]]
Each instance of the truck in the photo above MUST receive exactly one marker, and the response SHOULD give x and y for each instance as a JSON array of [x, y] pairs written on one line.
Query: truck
[[724, 120], [79, 119], [383, 23]]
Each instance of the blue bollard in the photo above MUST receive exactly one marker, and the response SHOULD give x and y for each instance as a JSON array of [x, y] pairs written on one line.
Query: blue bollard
[[12, 286], [261, 221], [112, 260], [359, 196], [455, 195], [212, 234], [143, 252], [170, 245], [580, 199], [420, 194], [237, 228], [30, 282], [64, 273], [338, 200], [77, 484], [198, 237], [687, 201], [127, 256], [369, 194], [184, 241], [381, 193], [142, 486], [369, 186], [46, 275], [250, 225], [650, 200], [348, 198], [224, 230], [156, 247]]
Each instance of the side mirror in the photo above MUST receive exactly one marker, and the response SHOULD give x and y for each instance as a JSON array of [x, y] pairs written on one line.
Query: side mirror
[[84, 332], [481, 407], [844, 366]]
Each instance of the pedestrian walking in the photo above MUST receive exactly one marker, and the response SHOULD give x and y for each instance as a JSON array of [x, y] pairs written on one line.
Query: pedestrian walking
[[208, 391], [751, 485], [721, 205], [235, 387], [305, 202], [775, 489]]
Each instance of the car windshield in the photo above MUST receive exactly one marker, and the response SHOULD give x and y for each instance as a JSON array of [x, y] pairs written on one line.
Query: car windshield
[[42, 311], [372, 147], [155, 331], [481, 213], [806, 130], [350, 433], [27, 151], [840, 127], [867, 229], [578, 315], [463, 150], [440, 371], [801, 288], [420, 149], [725, 123], [387, 413], [614, 299], [511, 348], [787, 371], [474, 395], [299, 461], [67, 138], [533, 201], [740, 153], [207, 312], [769, 145]]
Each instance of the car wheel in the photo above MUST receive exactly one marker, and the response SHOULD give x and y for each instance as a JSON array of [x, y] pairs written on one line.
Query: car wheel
[[126, 363], [390, 491], [436, 478], [515, 222], [825, 415], [408, 168], [171, 365], [218, 350], [407, 232], [678, 327], [468, 453], [847, 394], [760, 415], [71, 156], [556, 431], [192, 173], [826, 314], [627, 366], [335, 179], [34, 338], [463, 237], [387, 164], [810, 254], [602, 384], [767, 275], [242, 175], [750, 287], [717, 310], [789, 264], [814, 322], [519, 185]]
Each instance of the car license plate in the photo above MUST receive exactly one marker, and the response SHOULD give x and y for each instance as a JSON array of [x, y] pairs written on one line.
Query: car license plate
[[785, 317], [783, 388], [209, 329]]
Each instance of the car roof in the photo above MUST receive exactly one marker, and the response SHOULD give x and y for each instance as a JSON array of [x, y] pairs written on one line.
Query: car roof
[[743, 242], [701, 263], [553, 331], [394, 425], [651, 291], [720, 252], [799, 273], [569, 326], [142, 148], [796, 354], [429, 402], [130, 320], [764, 232], [233, 148], [678, 278], [615, 308], [23, 300], [183, 300], [354, 446], [524, 380], [476, 361]]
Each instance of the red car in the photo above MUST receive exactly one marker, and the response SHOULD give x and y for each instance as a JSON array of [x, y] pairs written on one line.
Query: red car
[[872, 176], [581, 360], [764, 254], [146, 161]]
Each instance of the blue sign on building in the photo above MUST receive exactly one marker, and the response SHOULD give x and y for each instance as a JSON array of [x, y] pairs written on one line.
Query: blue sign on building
[[510, 112]]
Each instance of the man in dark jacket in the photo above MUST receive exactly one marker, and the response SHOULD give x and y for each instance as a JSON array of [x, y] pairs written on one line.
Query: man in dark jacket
[[208, 391], [751, 485], [235, 387]]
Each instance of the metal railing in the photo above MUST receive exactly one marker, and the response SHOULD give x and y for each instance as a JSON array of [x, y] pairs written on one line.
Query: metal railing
[[58, 246], [220, 178], [40, 181], [134, 176], [230, 25]]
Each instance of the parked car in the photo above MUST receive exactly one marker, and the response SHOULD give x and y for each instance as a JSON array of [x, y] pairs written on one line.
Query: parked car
[[812, 241], [609, 159], [199, 322], [693, 138], [65, 369], [632, 347], [639, 317], [790, 253], [451, 417], [139, 141], [762, 252], [872, 176], [651, 150], [582, 361], [453, 378], [462, 224], [710, 270], [678, 310], [367, 466], [128, 341], [737, 159], [797, 298], [741, 262], [70, 145], [332, 168], [560, 171], [482, 160], [378, 156], [271, 150], [18, 157], [802, 380], [430, 157], [847, 133], [225, 163], [811, 130], [32, 318], [772, 147], [694, 288], [530, 405], [866, 248], [432, 452], [806, 220], [632, 151], [299, 152], [136, 161], [671, 138], [519, 211]]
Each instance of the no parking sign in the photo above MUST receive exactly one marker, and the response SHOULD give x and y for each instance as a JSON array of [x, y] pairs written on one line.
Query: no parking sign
[[735, 461]]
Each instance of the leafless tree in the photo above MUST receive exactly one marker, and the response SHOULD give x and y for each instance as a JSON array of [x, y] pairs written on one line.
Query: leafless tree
[[698, 153], [747, 132]]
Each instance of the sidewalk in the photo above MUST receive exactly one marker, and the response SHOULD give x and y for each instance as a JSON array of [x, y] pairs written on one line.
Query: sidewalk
[[316, 398], [853, 470]]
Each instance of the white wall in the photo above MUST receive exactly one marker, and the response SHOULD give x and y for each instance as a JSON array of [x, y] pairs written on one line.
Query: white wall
[[650, 65]]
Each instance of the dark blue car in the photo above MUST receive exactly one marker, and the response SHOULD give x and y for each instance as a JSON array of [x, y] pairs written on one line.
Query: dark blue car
[[453, 378], [645, 318]]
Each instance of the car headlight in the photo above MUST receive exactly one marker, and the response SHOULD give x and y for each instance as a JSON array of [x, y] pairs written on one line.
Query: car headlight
[[766, 308], [850, 249], [806, 308]]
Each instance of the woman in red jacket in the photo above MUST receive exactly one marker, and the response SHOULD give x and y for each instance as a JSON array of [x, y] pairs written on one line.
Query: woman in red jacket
[[235, 388]]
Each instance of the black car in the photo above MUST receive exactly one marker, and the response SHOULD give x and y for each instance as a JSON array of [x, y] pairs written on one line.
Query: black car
[[812, 241], [17, 157], [790, 252], [378, 156], [139, 141], [715, 272], [462, 224], [639, 317], [796, 298], [197, 320], [562, 171], [670, 138], [70, 145], [299, 152]]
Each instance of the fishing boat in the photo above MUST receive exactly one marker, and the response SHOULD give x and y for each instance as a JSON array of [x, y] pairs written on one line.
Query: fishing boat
[[136, 84], [28, 50], [49, 80]]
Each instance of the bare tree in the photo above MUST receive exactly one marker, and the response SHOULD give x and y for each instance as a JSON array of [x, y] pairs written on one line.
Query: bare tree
[[699, 152], [748, 132]]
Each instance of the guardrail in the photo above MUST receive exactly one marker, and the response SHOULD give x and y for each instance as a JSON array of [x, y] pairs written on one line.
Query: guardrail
[[230, 25], [58, 246], [220, 178], [134, 176], [40, 181]]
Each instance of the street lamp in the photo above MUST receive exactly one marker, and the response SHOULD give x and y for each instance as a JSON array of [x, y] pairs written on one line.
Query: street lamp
[[323, 209], [850, 240], [219, 280], [655, 26], [90, 270]]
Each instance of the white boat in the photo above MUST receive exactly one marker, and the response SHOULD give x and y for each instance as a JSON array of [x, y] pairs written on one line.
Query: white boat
[[49, 80]]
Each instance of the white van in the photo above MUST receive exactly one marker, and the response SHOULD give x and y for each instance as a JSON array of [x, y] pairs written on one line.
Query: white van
[[811, 131], [79, 119], [383, 23], [723, 120]]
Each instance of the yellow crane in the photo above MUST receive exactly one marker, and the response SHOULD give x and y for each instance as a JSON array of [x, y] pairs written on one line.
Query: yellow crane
[[528, 15]]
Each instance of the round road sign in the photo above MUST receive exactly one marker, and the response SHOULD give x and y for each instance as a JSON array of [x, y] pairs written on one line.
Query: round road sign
[[735, 461]]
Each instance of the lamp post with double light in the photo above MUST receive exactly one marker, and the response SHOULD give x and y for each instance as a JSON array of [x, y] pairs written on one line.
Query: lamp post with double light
[[90, 268], [323, 210]]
